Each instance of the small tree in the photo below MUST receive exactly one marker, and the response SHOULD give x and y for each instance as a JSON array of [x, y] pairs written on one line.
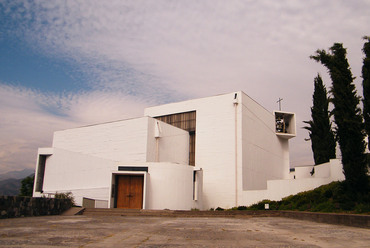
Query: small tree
[[321, 134], [27, 186], [366, 86], [347, 116]]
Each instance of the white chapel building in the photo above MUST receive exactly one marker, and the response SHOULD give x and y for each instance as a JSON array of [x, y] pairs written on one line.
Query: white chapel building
[[220, 151]]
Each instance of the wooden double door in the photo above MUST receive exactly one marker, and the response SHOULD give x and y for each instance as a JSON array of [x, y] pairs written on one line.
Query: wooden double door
[[130, 191]]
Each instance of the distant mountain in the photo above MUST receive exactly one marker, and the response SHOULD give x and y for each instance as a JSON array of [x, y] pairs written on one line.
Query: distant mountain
[[17, 174], [10, 186], [10, 182]]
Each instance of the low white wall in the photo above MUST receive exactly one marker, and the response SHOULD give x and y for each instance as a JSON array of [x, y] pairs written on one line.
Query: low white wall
[[336, 170], [332, 169], [170, 186], [322, 170], [278, 189], [303, 172], [101, 204]]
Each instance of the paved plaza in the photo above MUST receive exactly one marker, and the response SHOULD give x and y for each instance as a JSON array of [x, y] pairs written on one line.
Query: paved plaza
[[124, 231]]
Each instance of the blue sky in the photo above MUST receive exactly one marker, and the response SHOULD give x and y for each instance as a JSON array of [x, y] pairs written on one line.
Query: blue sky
[[21, 65], [65, 64]]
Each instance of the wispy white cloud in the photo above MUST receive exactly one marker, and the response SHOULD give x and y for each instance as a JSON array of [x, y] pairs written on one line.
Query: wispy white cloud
[[24, 126], [175, 47], [138, 53], [29, 118]]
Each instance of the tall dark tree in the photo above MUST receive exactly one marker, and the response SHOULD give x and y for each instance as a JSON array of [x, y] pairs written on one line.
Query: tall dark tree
[[321, 134], [347, 116], [366, 86], [27, 186]]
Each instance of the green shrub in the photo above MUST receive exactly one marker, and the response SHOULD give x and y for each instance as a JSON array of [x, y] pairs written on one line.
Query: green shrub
[[362, 208], [67, 195], [333, 197], [327, 207], [273, 205]]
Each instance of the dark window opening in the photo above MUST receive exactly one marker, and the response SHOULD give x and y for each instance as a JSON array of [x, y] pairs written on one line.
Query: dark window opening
[[132, 168], [40, 173], [194, 182]]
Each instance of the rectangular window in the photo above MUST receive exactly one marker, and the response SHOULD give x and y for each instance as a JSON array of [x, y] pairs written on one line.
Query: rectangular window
[[187, 122]]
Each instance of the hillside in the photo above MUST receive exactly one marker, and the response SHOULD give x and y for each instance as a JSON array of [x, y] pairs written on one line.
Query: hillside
[[10, 182], [16, 174], [10, 186]]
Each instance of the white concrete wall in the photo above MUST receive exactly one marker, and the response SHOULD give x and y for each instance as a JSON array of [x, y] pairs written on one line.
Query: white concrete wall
[[124, 141], [336, 170], [170, 186], [278, 189], [322, 170], [265, 155], [236, 146], [83, 175], [303, 172], [82, 159], [166, 186], [260, 154], [332, 169], [215, 144], [173, 143]]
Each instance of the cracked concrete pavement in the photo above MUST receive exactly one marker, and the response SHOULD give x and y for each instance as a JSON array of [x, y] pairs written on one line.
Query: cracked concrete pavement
[[124, 231]]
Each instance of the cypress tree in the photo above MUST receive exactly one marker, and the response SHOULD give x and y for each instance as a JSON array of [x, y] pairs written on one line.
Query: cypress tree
[[366, 86], [321, 135], [347, 116]]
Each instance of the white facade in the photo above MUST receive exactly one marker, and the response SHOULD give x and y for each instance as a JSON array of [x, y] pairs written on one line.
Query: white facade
[[84, 160], [237, 146], [241, 157]]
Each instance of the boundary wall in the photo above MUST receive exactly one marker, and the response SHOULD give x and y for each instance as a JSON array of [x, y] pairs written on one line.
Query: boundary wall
[[22, 206]]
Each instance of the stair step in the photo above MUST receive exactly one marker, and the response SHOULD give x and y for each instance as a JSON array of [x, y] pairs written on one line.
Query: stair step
[[174, 213]]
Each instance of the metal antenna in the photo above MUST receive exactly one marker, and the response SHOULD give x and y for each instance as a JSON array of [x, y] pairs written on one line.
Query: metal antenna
[[279, 101]]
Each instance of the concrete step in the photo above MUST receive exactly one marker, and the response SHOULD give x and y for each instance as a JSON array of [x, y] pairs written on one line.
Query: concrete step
[[73, 211], [176, 213]]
